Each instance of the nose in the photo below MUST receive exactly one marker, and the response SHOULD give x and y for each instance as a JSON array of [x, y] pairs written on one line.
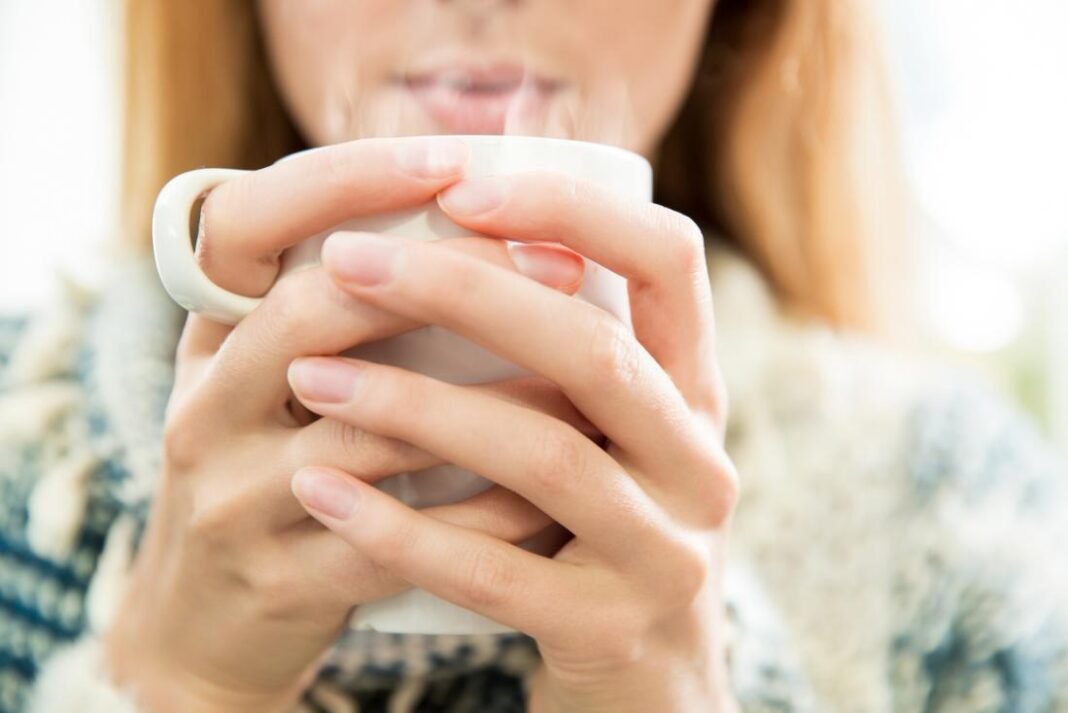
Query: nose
[[477, 14]]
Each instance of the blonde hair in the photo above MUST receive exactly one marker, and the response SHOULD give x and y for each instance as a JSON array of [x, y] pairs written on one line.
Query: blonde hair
[[784, 145]]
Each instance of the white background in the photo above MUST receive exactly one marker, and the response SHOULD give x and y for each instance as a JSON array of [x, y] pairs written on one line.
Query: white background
[[59, 135]]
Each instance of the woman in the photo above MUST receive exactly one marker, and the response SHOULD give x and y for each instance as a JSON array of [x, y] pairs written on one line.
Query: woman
[[895, 547]]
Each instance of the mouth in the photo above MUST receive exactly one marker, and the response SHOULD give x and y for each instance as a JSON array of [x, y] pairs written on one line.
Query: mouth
[[465, 99]]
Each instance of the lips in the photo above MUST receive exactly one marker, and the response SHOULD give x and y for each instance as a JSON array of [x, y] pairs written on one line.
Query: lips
[[483, 99]]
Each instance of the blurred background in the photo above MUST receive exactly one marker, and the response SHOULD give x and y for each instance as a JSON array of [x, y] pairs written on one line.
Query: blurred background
[[983, 107]]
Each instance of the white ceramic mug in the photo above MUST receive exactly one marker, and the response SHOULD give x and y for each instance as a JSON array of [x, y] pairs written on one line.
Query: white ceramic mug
[[430, 350]]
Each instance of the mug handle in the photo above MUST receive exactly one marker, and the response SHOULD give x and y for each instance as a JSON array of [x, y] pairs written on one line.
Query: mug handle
[[172, 246]]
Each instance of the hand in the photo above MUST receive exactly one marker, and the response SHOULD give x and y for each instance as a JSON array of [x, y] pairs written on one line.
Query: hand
[[236, 592], [627, 614]]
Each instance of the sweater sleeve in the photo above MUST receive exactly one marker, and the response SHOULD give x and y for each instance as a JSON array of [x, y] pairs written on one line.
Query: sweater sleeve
[[75, 679], [995, 633], [764, 670], [53, 515], [11, 327]]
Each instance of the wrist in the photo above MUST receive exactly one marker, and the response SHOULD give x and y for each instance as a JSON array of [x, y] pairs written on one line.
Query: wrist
[[660, 687], [160, 687]]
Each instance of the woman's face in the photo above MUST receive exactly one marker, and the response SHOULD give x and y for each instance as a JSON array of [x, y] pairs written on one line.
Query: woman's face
[[612, 71]]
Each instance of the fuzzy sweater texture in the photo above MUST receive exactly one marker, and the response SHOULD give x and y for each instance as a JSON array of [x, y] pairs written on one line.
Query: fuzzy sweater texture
[[900, 543]]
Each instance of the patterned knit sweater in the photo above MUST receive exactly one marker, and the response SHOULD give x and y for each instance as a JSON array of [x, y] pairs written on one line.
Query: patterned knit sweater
[[899, 544]]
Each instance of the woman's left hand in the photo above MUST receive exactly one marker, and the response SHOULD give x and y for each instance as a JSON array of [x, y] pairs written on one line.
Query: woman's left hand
[[628, 615]]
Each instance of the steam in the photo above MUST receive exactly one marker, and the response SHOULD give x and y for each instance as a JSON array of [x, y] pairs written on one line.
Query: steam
[[601, 112]]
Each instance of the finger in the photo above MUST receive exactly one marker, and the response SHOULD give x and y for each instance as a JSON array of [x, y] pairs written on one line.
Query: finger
[[200, 337], [471, 569], [372, 457], [307, 313], [539, 393], [595, 359], [496, 511], [368, 456], [542, 458], [245, 223], [364, 455], [661, 253], [334, 565]]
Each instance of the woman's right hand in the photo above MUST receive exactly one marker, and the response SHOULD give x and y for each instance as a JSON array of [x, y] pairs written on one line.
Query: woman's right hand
[[236, 593]]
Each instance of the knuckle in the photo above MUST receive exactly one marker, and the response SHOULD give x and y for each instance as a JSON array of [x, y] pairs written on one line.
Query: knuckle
[[728, 486], [613, 356], [489, 578], [182, 438], [621, 648], [393, 548], [287, 305], [689, 569], [362, 453], [617, 629], [719, 487], [276, 591], [389, 407], [354, 443], [212, 516], [464, 285], [686, 244], [226, 510], [372, 575], [715, 496]]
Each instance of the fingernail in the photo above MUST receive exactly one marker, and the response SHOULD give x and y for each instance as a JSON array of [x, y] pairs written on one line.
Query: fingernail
[[555, 267], [327, 381], [326, 493], [435, 157], [360, 258], [473, 196]]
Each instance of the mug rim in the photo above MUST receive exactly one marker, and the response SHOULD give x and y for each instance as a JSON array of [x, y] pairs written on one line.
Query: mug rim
[[590, 146]]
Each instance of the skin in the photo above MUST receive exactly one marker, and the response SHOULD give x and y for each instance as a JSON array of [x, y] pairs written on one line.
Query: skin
[[250, 566]]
